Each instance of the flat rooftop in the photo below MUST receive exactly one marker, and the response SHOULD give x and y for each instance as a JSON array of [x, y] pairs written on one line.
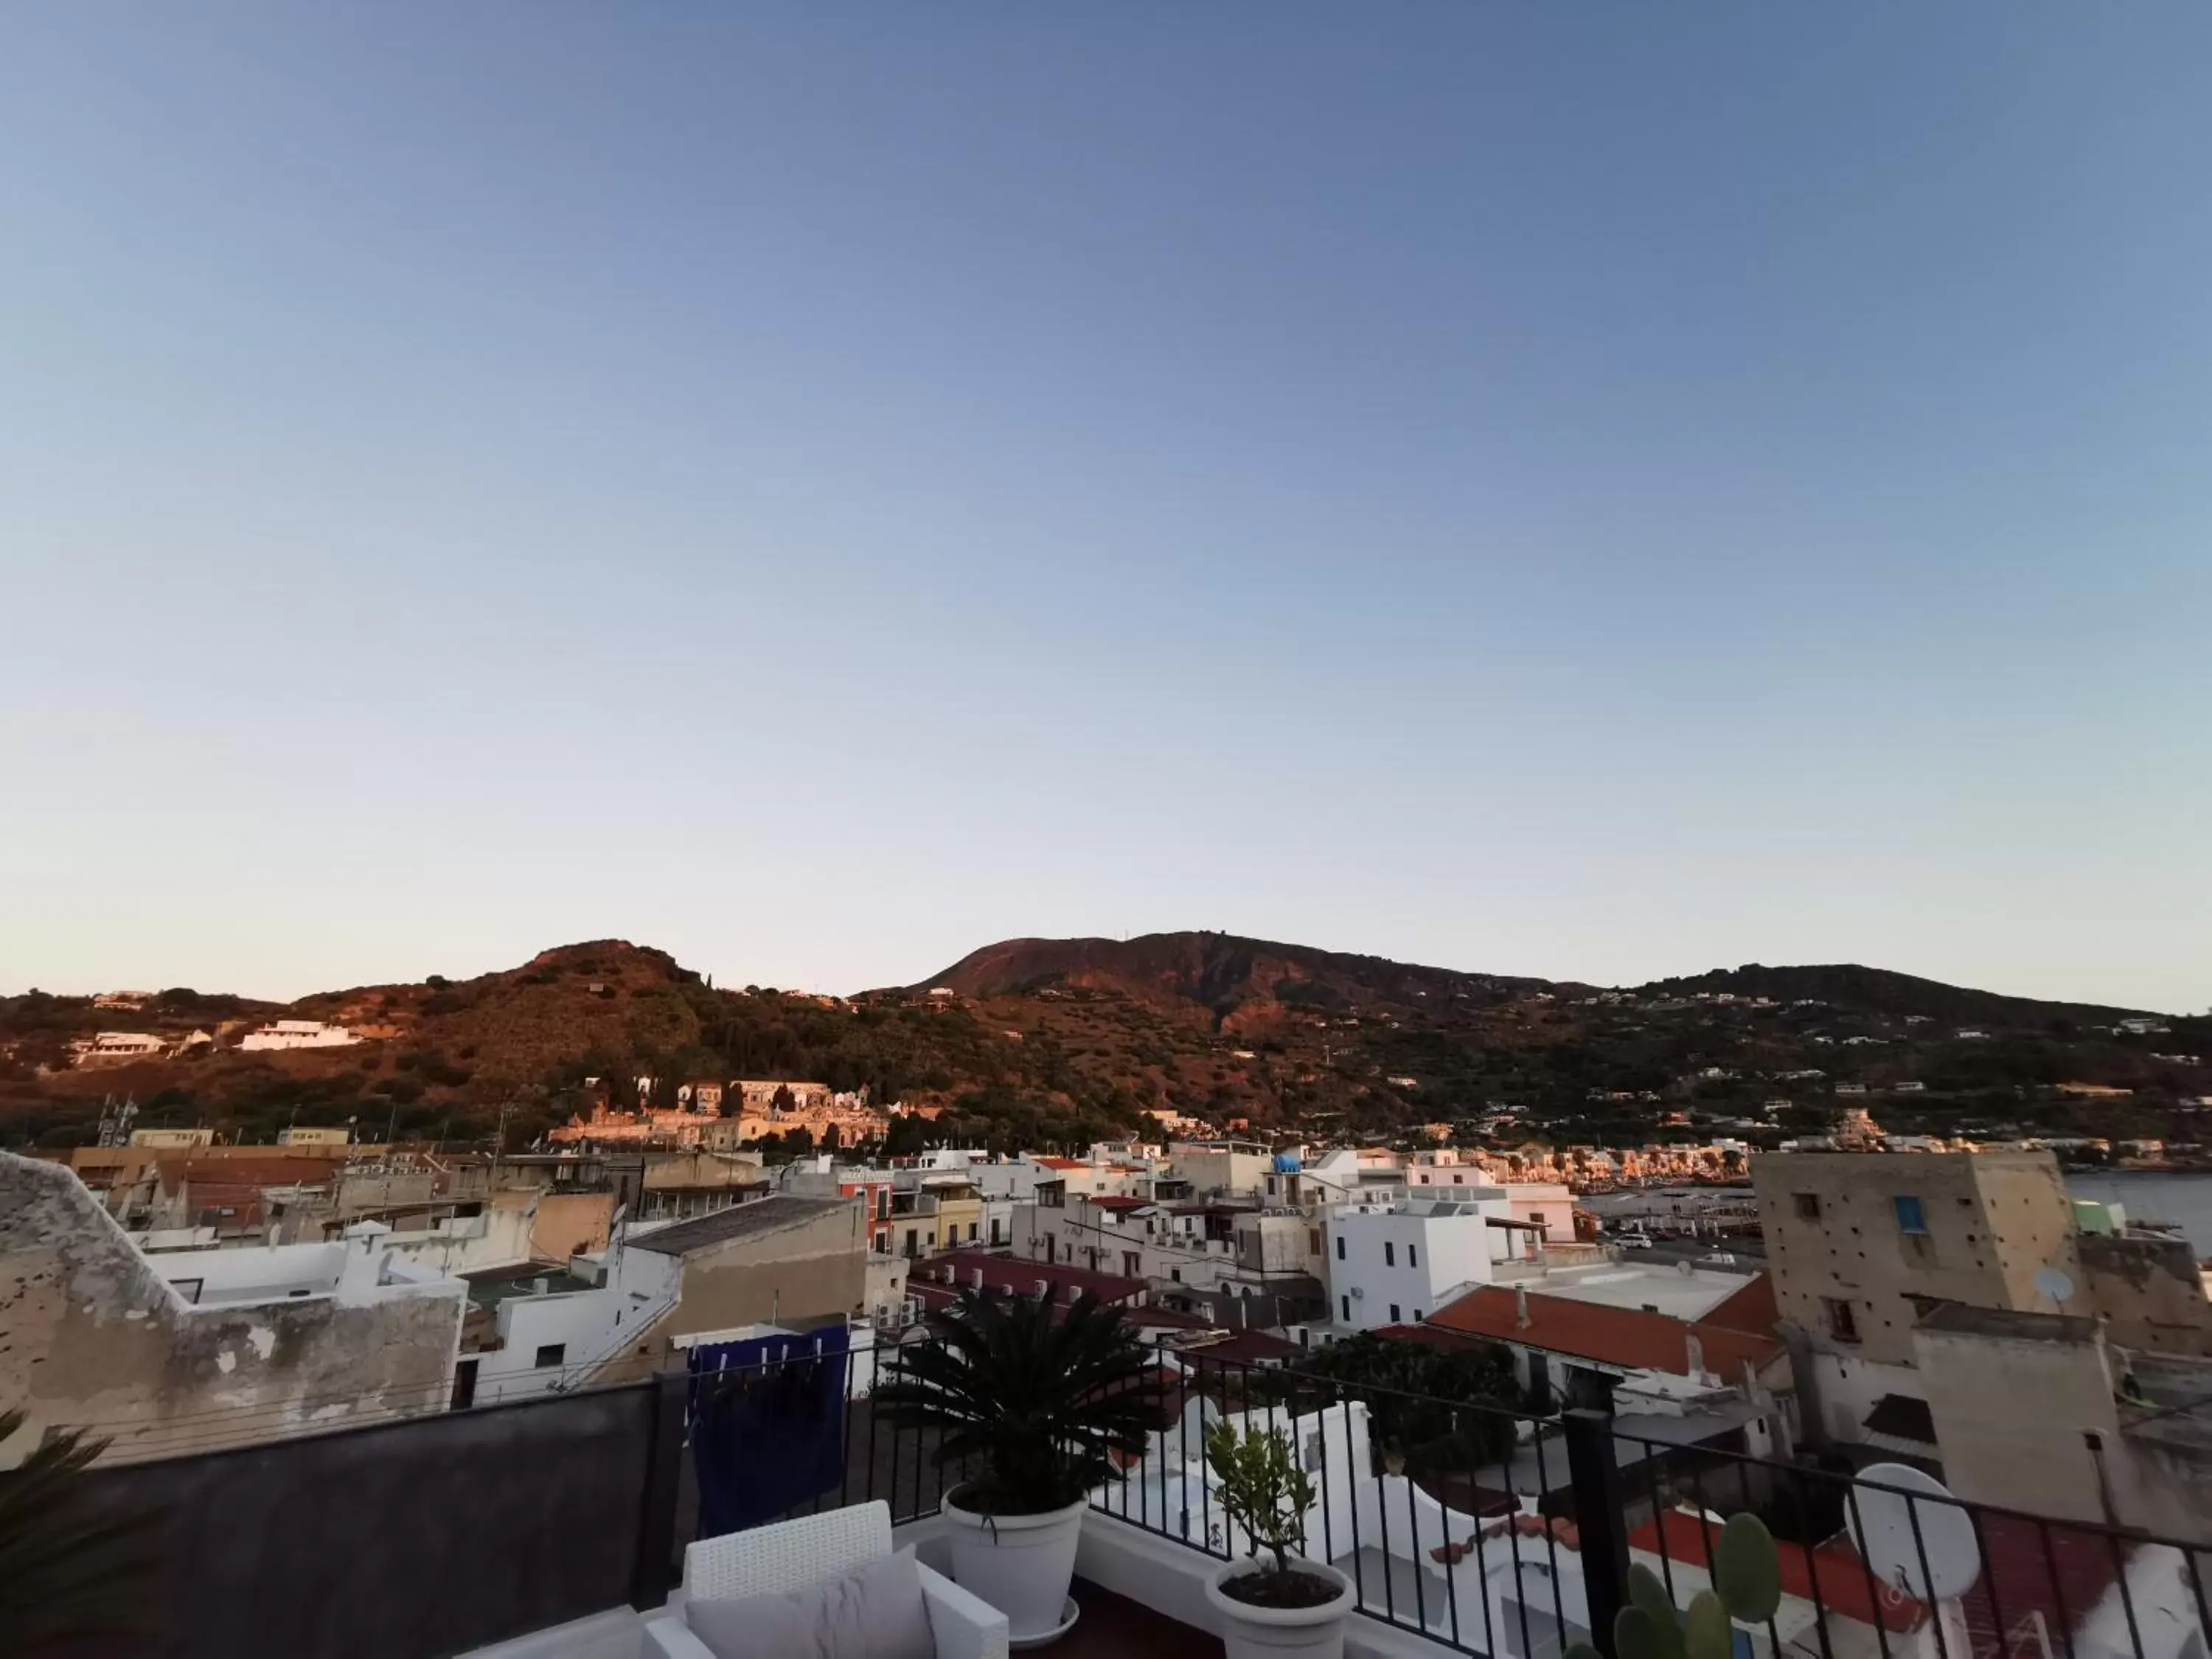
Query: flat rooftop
[[1683, 1293]]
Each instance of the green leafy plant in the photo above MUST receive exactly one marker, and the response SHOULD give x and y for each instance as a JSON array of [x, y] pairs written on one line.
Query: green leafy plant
[[1262, 1489], [67, 1570], [1046, 1397], [1746, 1588]]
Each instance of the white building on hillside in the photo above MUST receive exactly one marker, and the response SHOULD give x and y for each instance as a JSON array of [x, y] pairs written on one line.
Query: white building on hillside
[[298, 1034], [1396, 1264]]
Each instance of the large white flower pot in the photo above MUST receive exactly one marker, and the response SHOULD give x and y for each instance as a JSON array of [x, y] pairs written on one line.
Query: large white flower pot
[[1250, 1632], [1020, 1564]]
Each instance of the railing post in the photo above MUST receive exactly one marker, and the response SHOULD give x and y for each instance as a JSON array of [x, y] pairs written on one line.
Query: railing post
[[652, 1573], [1601, 1518]]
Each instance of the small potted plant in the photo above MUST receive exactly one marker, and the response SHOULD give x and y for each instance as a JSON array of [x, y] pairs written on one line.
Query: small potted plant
[[1047, 1398], [1271, 1609]]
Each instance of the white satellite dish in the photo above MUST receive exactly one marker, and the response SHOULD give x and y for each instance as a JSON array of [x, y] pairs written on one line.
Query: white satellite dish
[[2053, 1283], [1882, 1527]]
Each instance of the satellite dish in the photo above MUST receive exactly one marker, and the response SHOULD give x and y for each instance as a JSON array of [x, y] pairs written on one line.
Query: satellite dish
[[2053, 1283], [1882, 1526]]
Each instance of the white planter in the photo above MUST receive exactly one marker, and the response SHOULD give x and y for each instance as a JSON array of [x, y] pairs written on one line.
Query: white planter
[[1250, 1632], [1020, 1564]]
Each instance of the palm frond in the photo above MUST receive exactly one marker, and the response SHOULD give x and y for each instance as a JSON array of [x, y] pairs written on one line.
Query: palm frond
[[1047, 1396], [68, 1569]]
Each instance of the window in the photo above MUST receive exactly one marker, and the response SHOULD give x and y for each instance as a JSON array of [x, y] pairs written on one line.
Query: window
[[1808, 1205], [1535, 1218], [551, 1353], [1176, 1273], [1412, 1256], [1050, 1244], [1420, 1318], [1459, 1181], [1843, 1323], [1340, 1247], [1344, 1301], [1395, 1320], [1313, 1240], [972, 1232], [1912, 1215], [1389, 1254]]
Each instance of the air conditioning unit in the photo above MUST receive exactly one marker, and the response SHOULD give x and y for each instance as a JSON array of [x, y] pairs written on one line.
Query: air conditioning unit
[[1357, 1294]]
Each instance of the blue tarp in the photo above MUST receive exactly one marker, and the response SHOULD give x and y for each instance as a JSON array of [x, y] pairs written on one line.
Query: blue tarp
[[767, 1425]]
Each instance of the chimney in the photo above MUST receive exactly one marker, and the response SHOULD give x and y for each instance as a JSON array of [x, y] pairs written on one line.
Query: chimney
[[1044, 1289], [1521, 1320], [976, 1276], [1694, 1355]]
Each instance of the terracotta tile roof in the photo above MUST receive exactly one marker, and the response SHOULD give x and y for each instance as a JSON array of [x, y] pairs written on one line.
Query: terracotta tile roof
[[1060, 1163], [1011, 1273], [1115, 1202], [1628, 1337], [275, 1171], [1846, 1587], [1752, 1309]]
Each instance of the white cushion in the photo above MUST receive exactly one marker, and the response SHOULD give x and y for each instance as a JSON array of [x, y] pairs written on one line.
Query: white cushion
[[876, 1611]]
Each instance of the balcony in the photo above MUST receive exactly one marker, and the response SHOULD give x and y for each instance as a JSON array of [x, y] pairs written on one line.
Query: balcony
[[542, 1530]]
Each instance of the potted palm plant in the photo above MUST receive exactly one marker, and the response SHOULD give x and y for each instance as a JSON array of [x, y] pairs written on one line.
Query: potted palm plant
[[1037, 1401], [1279, 1604]]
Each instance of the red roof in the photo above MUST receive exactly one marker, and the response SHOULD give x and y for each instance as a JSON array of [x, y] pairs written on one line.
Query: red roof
[[1846, 1586], [1060, 1163], [1115, 1202], [1007, 1273], [1627, 1337], [1752, 1309], [1246, 1347]]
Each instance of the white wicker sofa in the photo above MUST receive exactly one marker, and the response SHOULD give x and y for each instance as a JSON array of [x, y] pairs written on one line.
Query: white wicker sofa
[[793, 1554]]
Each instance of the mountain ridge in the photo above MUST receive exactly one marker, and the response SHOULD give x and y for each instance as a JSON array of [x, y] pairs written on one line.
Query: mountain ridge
[[1047, 1041]]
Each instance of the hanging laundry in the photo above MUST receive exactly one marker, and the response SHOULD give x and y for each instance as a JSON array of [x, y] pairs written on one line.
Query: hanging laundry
[[767, 1425]]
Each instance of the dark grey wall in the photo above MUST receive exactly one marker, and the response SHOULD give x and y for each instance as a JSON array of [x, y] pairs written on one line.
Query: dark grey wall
[[414, 1540]]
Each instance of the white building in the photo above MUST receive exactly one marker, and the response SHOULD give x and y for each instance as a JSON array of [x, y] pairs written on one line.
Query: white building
[[298, 1034], [1395, 1264], [118, 1045]]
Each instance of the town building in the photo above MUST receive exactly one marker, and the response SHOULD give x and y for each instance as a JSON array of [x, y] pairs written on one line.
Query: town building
[[1395, 1264], [297, 1034], [198, 1349]]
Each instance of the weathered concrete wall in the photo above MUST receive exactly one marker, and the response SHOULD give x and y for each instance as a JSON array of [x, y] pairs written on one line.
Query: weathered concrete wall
[[90, 1334], [2010, 1418], [816, 1268], [2150, 1292], [570, 1222]]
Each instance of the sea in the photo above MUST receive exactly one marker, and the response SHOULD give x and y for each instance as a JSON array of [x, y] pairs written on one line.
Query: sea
[[2184, 1200]]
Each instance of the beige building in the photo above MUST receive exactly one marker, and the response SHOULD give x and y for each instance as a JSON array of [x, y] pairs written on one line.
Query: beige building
[[1860, 1243], [170, 1140], [780, 1261], [2038, 1411]]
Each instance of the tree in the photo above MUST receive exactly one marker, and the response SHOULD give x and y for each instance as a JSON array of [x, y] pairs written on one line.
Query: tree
[[1044, 1396], [831, 1140], [66, 1569]]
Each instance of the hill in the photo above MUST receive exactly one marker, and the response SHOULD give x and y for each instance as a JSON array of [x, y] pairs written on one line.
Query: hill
[[1055, 1042]]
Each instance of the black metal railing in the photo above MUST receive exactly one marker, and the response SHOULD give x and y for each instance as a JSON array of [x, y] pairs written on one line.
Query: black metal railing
[[1941, 1575], [1496, 1531]]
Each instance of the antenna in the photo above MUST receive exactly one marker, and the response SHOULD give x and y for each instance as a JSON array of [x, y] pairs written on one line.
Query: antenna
[[2053, 1283], [1915, 1534]]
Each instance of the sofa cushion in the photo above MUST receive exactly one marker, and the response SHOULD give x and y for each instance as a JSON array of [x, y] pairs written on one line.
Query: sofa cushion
[[876, 1611]]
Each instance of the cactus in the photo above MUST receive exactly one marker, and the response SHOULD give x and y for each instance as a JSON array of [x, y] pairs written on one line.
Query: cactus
[[1746, 1588], [1746, 1573], [1707, 1633]]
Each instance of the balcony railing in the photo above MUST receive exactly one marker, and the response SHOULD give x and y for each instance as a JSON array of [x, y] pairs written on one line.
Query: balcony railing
[[1483, 1530]]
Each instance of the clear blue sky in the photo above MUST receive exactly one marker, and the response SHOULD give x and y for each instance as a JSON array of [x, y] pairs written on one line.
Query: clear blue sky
[[1590, 490]]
